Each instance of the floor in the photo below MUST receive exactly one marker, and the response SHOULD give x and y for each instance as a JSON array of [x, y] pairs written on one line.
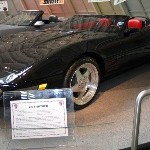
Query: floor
[[107, 123]]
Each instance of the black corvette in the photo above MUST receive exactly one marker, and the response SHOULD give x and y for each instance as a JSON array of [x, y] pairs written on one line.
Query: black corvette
[[78, 53]]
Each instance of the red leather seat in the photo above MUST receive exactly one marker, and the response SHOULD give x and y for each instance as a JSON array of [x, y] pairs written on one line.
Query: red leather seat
[[85, 25], [135, 23], [104, 22]]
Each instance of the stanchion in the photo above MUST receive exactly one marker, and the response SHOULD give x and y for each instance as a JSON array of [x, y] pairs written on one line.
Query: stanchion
[[136, 121]]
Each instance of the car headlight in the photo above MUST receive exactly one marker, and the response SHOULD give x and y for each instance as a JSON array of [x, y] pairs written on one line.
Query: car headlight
[[13, 76]]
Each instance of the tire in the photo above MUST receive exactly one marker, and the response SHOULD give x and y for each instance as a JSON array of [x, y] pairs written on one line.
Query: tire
[[83, 78]]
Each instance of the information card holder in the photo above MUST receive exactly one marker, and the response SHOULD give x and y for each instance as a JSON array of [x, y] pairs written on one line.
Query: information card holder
[[39, 119]]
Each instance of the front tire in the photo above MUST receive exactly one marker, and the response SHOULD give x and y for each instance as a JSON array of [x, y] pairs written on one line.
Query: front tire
[[83, 78]]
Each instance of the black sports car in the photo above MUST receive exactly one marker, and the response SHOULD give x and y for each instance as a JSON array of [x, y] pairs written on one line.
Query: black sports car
[[26, 20], [78, 53]]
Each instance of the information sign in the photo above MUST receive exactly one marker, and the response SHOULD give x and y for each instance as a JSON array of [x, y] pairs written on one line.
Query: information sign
[[51, 2], [39, 119], [50, 115], [3, 5]]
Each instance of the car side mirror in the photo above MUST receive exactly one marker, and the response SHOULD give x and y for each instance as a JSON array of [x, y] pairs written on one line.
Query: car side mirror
[[39, 23]]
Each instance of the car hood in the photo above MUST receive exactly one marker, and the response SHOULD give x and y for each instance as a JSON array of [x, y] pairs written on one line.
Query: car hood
[[4, 29], [22, 51]]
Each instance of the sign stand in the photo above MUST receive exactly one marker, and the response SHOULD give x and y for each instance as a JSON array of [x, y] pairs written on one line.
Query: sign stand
[[39, 119]]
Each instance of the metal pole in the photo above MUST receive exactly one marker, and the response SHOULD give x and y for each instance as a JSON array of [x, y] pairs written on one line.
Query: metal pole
[[136, 120]]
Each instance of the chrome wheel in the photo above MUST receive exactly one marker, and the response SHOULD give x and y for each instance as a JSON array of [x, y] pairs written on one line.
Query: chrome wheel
[[83, 78], [84, 83]]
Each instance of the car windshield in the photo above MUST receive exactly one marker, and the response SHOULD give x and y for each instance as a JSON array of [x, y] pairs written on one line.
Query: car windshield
[[23, 18], [99, 23]]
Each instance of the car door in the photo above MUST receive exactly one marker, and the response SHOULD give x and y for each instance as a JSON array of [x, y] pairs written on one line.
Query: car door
[[135, 48], [124, 52]]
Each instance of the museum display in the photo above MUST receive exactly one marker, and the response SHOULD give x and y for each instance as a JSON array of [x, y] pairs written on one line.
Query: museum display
[[26, 20], [43, 118], [78, 53]]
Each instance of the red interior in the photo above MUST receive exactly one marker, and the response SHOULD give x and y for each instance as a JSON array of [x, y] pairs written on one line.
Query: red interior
[[104, 22], [85, 25], [135, 23]]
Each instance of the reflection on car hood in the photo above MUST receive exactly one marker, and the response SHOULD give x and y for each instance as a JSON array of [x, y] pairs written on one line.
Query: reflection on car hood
[[4, 29], [25, 49]]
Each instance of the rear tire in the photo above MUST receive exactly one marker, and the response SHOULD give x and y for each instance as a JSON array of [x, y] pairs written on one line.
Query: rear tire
[[83, 78]]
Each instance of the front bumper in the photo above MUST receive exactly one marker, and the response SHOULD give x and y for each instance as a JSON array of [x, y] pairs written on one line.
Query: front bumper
[[54, 82]]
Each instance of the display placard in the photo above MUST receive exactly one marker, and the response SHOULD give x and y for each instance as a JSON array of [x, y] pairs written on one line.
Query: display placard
[[3, 6], [51, 2], [39, 114], [39, 119]]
